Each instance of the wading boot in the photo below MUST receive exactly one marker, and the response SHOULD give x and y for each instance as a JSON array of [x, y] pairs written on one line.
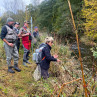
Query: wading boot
[[16, 68], [10, 69], [28, 62], [24, 63]]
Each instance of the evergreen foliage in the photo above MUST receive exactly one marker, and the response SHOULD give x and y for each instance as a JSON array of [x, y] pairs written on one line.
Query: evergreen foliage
[[54, 15]]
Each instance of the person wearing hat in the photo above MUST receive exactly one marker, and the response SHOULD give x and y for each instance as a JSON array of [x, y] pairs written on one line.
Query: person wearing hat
[[36, 36], [16, 29], [9, 37], [47, 57], [26, 42], [36, 33]]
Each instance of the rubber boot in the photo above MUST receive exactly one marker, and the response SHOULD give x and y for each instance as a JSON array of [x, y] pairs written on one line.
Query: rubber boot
[[28, 57], [24, 63], [16, 68], [28, 62], [10, 69]]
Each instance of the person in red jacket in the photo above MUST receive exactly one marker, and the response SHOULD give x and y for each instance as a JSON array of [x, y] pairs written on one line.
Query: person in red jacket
[[26, 41]]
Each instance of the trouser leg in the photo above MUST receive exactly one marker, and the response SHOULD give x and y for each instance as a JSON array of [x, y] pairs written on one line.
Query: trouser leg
[[15, 55], [16, 58], [44, 73], [25, 54], [18, 44], [8, 51]]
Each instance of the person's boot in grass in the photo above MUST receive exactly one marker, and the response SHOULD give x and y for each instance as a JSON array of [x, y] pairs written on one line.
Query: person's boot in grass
[[17, 68], [10, 69], [28, 57], [24, 63], [28, 62]]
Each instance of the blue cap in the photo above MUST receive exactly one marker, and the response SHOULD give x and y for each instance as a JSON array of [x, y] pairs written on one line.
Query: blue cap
[[35, 27]]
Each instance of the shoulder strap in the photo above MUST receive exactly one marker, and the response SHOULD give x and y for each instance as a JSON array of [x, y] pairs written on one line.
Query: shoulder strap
[[43, 58], [44, 45], [25, 28], [7, 26]]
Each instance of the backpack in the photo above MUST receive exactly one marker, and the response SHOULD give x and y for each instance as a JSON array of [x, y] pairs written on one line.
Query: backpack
[[37, 56]]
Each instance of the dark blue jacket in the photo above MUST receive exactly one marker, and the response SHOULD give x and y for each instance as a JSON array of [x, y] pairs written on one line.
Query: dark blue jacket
[[48, 58], [36, 34]]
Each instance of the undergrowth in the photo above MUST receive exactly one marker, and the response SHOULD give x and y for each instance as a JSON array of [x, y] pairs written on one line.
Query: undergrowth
[[22, 84]]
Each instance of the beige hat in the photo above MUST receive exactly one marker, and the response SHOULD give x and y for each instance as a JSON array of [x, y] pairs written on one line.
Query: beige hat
[[27, 22], [48, 39]]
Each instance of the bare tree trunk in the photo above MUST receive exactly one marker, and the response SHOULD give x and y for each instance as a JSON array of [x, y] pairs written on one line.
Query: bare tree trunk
[[13, 6]]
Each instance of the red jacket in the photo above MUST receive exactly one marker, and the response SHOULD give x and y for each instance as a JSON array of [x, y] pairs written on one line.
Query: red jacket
[[25, 41]]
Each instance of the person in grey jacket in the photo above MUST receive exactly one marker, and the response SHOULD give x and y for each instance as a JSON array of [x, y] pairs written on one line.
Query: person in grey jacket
[[9, 37]]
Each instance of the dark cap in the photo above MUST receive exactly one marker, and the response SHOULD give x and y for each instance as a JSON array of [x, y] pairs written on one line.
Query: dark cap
[[17, 23], [27, 22]]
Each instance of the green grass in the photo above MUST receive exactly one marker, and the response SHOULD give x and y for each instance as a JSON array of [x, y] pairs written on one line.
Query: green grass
[[1, 43]]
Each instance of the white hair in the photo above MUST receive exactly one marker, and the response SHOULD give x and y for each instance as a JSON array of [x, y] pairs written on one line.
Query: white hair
[[48, 39]]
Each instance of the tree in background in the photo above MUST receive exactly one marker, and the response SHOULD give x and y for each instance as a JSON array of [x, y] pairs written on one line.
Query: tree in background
[[45, 15], [54, 15], [14, 9], [32, 11], [19, 17], [90, 15], [35, 2], [13, 6]]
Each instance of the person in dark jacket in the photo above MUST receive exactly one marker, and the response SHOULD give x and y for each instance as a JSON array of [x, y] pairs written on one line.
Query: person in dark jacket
[[36, 33], [47, 57], [36, 36], [15, 28]]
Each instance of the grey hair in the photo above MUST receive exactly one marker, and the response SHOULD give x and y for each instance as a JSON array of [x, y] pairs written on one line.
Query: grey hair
[[48, 39]]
